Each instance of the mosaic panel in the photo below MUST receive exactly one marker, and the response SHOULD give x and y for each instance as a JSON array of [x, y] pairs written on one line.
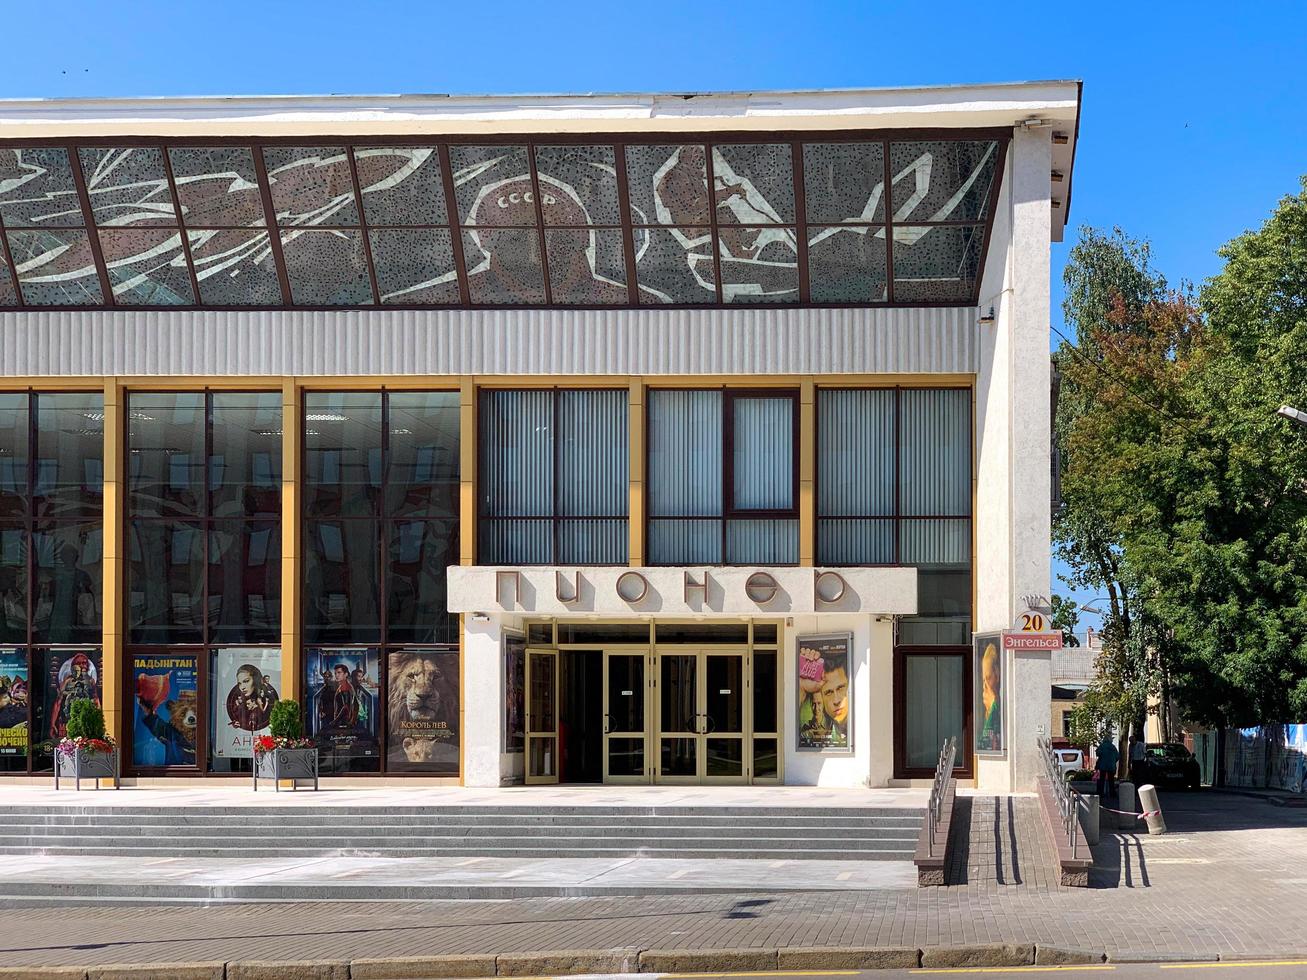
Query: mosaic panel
[[759, 265], [945, 180], [37, 189], [147, 267], [55, 267], [846, 264], [492, 185], [503, 266], [127, 185], [587, 267], [8, 291], [754, 183], [414, 265], [326, 268], [311, 185], [578, 185], [668, 185], [675, 265], [401, 185], [217, 186], [235, 268], [936, 265], [844, 182]]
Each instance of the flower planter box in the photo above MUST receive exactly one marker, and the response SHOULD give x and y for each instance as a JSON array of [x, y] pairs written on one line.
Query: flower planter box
[[86, 764], [292, 764]]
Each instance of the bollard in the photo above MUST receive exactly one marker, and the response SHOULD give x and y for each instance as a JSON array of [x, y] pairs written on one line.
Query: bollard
[[1126, 794], [1148, 801], [1089, 818]]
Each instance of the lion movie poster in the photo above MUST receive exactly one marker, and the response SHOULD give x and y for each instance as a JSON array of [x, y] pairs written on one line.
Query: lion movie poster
[[514, 691], [167, 711], [73, 675], [422, 711], [825, 721], [988, 673], [245, 685], [14, 685], [343, 699]]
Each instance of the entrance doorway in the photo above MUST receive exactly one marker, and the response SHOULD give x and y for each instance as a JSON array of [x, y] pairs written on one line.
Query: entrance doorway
[[701, 716]]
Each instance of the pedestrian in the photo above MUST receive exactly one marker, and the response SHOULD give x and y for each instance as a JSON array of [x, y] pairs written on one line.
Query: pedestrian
[[1105, 765], [1137, 752]]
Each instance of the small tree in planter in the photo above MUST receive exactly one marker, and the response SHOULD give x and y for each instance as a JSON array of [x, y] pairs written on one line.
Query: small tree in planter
[[85, 751], [285, 753]]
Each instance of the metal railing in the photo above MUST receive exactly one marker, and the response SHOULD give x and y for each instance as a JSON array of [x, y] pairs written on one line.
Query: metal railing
[[935, 806], [1067, 799]]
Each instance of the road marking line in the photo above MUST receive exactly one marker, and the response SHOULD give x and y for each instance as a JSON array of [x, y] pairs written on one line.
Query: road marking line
[[678, 874], [765, 973], [1015, 969], [1227, 964], [844, 876]]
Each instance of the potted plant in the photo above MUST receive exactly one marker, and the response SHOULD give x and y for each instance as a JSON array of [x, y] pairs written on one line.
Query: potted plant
[[285, 753], [85, 751]]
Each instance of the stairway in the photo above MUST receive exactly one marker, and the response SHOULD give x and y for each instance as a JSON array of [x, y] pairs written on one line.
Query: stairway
[[246, 832]]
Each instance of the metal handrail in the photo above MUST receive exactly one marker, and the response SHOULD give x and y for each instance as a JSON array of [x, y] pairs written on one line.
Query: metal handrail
[[935, 805], [1067, 799]]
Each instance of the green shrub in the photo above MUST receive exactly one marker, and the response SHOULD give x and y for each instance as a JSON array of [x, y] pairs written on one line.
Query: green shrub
[[85, 719], [285, 720], [1079, 775]]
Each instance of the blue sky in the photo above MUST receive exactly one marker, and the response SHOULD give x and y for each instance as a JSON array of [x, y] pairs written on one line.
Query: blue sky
[[1194, 120]]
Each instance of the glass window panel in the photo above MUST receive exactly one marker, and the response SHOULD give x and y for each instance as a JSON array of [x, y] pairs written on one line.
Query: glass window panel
[[765, 679], [326, 268], [685, 453], [944, 591], [685, 542], [503, 266], [724, 756], [754, 183], [37, 189], [593, 461], [416, 600], [62, 677], [55, 268], [578, 185], [942, 180], [625, 756], [492, 185], [517, 453], [846, 541], [342, 707], [217, 186], [422, 733], [165, 582], [15, 702], [675, 265], [69, 475], [165, 445], [586, 267], [14, 453], [934, 542], [342, 581], [245, 454], [13, 584], [66, 602], [401, 185], [759, 265], [8, 288], [515, 541], [763, 451], [592, 541], [311, 185], [846, 264], [764, 632], [244, 582], [936, 265], [423, 475], [668, 185], [855, 456], [935, 452], [127, 185], [844, 182], [762, 542], [626, 689], [342, 453], [415, 266], [235, 268], [147, 267], [766, 758]]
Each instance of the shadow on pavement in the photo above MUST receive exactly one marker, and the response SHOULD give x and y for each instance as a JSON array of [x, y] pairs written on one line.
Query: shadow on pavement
[[1119, 862], [959, 844]]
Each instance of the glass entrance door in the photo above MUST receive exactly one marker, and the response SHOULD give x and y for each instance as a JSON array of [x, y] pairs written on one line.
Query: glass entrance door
[[702, 716], [541, 716], [625, 717], [723, 717]]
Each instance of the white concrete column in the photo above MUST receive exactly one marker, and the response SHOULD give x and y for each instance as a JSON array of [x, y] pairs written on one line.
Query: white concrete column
[[483, 693]]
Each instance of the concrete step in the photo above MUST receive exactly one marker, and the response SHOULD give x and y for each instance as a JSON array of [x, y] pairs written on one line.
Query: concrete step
[[552, 851], [280, 811], [305, 818]]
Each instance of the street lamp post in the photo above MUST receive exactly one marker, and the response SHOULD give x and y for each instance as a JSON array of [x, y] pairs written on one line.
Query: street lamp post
[[1294, 414]]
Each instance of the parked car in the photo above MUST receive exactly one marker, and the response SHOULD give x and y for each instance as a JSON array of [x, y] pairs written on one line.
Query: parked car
[[1167, 764], [1069, 760]]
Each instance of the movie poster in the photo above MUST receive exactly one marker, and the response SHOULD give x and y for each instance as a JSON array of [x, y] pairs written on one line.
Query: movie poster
[[342, 702], [987, 669], [825, 701], [167, 713], [422, 711], [14, 685], [245, 685], [514, 691], [73, 675]]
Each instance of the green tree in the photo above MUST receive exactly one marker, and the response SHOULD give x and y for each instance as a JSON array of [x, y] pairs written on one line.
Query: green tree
[[1066, 617]]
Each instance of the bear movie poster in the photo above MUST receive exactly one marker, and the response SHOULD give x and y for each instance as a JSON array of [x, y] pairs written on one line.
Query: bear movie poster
[[166, 714], [342, 688], [74, 675], [245, 685], [13, 702], [422, 712]]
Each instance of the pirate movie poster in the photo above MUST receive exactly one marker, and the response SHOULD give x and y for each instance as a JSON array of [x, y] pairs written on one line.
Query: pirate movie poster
[[167, 713], [245, 685], [73, 675], [825, 701], [422, 712], [342, 706], [14, 686], [988, 673]]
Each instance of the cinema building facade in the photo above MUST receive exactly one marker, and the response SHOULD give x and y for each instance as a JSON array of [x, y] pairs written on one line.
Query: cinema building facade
[[629, 439]]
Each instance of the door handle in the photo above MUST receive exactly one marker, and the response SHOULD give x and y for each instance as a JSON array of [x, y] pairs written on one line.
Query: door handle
[[707, 720], [606, 724]]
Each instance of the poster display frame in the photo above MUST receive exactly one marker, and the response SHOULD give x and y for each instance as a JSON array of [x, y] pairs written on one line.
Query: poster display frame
[[506, 735], [980, 644], [813, 642]]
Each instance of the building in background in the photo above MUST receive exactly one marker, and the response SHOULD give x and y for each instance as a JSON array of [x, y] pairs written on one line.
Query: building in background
[[1073, 671], [650, 439]]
